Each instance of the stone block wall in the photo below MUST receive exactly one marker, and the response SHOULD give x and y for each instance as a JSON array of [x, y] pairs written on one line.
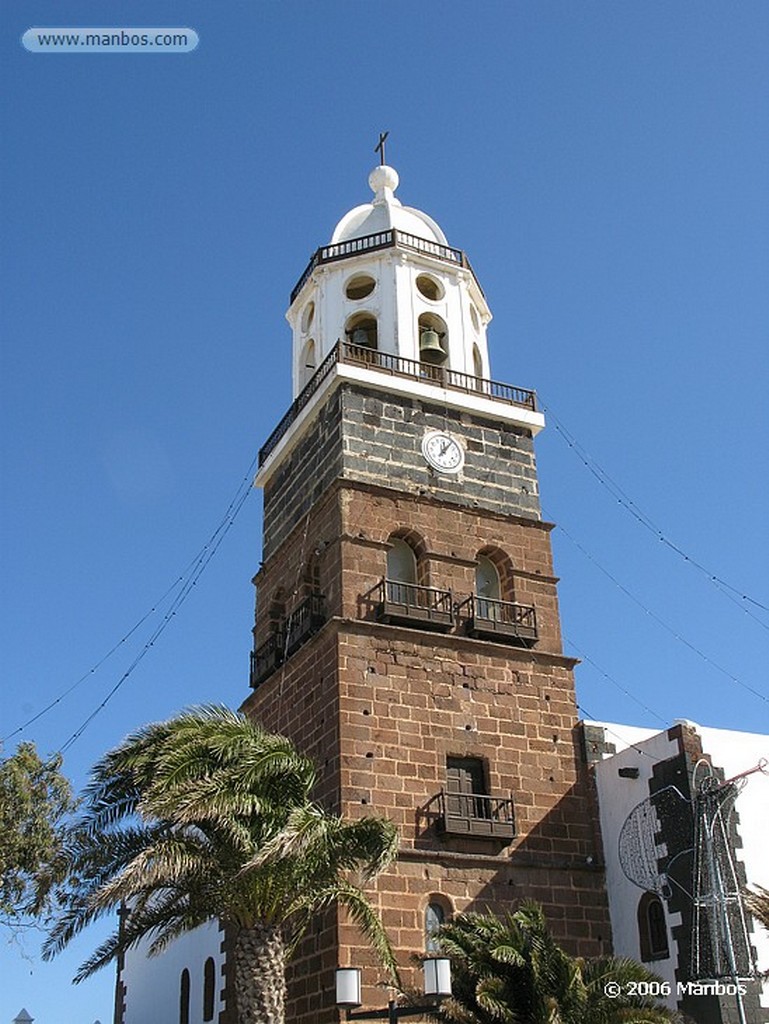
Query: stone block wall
[[362, 435]]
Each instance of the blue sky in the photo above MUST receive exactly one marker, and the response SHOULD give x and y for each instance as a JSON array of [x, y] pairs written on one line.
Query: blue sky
[[604, 166]]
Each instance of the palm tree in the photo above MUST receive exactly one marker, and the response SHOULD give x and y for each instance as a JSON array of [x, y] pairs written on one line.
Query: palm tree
[[208, 816], [757, 902], [511, 971]]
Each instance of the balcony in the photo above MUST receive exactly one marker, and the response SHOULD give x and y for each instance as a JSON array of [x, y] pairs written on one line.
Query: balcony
[[396, 366], [475, 815], [410, 604], [305, 620], [302, 623], [267, 658], [501, 620]]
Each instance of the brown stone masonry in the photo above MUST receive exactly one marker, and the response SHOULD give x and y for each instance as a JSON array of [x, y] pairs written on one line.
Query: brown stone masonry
[[396, 715]]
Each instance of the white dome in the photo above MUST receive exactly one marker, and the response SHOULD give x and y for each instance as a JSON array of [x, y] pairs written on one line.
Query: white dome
[[386, 212]]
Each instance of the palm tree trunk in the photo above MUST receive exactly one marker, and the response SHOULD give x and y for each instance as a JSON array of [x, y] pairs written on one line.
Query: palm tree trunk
[[259, 956]]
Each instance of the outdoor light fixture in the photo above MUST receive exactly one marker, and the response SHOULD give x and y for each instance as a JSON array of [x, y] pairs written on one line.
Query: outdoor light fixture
[[437, 976], [437, 970], [348, 987]]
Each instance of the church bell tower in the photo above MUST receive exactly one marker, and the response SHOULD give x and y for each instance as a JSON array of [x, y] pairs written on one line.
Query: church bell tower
[[407, 633]]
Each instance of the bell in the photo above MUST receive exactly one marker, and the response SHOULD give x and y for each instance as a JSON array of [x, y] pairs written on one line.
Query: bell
[[430, 348], [360, 337]]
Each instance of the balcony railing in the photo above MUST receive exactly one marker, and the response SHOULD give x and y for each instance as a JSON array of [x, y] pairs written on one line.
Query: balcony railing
[[500, 620], [397, 366], [303, 622], [267, 658], [381, 240], [305, 619], [475, 814], [412, 604]]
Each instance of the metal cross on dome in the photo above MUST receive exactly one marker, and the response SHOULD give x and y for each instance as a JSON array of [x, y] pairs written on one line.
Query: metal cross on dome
[[380, 148]]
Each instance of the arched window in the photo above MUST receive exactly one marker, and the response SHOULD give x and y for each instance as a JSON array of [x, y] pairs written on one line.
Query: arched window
[[487, 579], [477, 363], [307, 363], [209, 989], [401, 571], [435, 915], [184, 997], [277, 610], [312, 573], [488, 589], [652, 928]]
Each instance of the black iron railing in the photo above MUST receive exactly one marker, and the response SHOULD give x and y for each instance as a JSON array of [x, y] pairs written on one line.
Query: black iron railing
[[389, 239], [397, 366], [304, 620], [476, 814], [267, 658], [500, 619]]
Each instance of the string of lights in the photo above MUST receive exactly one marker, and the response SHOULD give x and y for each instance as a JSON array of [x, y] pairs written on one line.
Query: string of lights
[[183, 586], [206, 554], [734, 594], [623, 689], [639, 750], [670, 629]]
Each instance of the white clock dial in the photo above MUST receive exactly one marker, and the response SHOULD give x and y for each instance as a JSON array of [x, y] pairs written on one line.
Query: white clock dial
[[443, 452]]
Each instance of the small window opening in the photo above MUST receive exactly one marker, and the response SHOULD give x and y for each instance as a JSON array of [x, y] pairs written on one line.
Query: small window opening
[[184, 997], [308, 315], [429, 287], [652, 928], [435, 916], [360, 286], [209, 989], [477, 362]]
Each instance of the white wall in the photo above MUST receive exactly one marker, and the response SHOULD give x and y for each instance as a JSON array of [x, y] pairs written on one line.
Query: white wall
[[734, 752], [152, 983]]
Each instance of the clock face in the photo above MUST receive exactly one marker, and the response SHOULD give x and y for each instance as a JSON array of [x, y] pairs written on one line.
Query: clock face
[[443, 452]]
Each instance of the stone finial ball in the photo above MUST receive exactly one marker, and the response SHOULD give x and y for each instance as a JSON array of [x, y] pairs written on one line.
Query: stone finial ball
[[383, 177]]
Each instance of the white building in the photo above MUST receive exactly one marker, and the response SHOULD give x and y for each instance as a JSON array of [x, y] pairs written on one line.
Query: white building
[[646, 783]]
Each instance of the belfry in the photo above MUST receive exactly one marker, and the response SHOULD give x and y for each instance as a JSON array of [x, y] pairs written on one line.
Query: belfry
[[407, 633]]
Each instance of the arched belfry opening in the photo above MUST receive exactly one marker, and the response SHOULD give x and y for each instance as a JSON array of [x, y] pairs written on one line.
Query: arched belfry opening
[[362, 332], [433, 340], [308, 362]]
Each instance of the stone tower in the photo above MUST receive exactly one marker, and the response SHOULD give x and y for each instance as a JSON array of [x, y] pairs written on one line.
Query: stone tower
[[407, 633]]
